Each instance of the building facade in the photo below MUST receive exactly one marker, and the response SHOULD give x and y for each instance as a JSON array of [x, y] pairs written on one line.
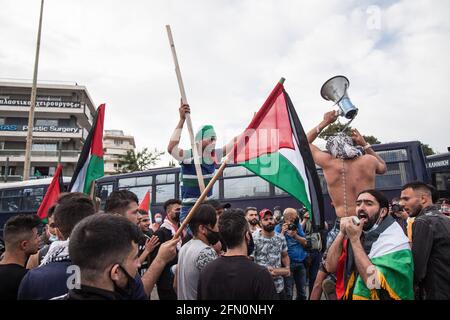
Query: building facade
[[62, 120], [115, 144]]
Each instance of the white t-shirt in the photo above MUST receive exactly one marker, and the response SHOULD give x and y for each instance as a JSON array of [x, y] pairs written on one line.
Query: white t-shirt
[[192, 258]]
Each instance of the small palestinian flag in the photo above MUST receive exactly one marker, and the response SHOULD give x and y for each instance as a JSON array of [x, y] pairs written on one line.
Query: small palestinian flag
[[145, 204], [51, 195], [274, 147], [90, 165]]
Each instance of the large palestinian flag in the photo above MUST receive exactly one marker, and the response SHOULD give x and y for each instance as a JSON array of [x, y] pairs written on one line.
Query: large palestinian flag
[[51, 195], [90, 165], [274, 146]]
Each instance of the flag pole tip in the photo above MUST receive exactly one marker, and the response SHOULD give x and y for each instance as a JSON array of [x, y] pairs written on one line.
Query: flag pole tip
[[282, 80]]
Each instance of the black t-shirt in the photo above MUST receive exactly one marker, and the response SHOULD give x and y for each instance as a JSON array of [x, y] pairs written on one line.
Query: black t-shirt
[[141, 247], [235, 278], [165, 280], [10, 277]]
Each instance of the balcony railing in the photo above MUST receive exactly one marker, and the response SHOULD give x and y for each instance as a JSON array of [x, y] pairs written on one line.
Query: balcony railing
[[36, 153], [10, 178]]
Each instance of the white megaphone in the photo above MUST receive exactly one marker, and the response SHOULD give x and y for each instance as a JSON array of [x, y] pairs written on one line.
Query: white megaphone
[[335, 89]]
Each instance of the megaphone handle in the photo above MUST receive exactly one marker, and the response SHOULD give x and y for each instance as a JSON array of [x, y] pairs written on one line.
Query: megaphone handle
[[338, 110], [347, 124]]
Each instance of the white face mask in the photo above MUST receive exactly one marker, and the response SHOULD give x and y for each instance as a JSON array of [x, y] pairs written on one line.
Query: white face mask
[[375, 225], [158, 220]]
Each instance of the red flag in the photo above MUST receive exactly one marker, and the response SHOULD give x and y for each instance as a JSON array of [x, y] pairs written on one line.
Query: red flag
[[52, 194], [340, 272], [145, 204]]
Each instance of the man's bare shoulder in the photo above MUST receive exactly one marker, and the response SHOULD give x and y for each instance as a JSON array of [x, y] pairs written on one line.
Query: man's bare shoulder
[[367, 160], [369, 157]]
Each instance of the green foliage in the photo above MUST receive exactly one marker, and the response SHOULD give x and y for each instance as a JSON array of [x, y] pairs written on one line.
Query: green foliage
[[427, 150], [171, 163], [138, 161], [371, 140], [336, 127]]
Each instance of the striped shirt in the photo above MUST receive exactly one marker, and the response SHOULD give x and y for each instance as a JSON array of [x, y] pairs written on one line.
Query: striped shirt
[[190, 190]]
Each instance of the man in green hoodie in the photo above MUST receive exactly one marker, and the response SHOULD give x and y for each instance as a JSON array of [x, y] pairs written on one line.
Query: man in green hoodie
[[205, 139]]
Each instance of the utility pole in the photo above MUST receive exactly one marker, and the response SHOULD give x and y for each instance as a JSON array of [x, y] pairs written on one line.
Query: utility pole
[[6, 170], [26, 166]]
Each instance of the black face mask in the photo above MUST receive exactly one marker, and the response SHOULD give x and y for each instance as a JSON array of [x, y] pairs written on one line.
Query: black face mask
[[250, 245], [176, 218], [212, 236], [127, 292]]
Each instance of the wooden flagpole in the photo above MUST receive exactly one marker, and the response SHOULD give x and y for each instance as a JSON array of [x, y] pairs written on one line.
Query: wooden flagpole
[[201, 198], [198, 169]]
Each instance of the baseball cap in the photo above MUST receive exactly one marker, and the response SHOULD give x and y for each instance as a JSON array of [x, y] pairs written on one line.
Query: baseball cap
[[263, 213]]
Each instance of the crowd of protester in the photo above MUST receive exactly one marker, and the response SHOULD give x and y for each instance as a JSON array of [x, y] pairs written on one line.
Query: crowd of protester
[[84, 253]]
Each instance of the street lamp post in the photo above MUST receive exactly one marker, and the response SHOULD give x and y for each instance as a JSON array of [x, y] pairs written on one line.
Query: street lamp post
[[26, 166]]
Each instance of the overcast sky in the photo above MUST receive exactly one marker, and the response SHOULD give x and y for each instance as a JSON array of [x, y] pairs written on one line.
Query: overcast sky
[[232, 53]]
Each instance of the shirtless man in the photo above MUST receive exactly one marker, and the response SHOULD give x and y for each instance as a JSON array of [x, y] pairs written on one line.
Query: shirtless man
[[346, 168]]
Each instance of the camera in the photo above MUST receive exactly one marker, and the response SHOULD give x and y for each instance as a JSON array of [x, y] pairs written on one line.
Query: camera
[[292, 226], [301, 212]]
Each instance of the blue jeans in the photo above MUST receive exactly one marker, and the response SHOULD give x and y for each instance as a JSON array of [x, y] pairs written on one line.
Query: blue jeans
[[298, 276], [183, 214]]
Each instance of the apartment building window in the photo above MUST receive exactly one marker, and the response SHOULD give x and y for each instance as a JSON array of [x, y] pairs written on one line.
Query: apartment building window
[[118, 142], [44, 147], [11, 170], [2, 121], [40, 171]]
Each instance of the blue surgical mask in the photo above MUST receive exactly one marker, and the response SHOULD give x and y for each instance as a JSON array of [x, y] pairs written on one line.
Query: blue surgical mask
[[158, 220], [53, 238]]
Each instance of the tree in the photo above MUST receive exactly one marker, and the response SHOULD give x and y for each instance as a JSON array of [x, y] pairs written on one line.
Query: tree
[[427, 150], [336, 127], [371, 140], [138, 161]]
